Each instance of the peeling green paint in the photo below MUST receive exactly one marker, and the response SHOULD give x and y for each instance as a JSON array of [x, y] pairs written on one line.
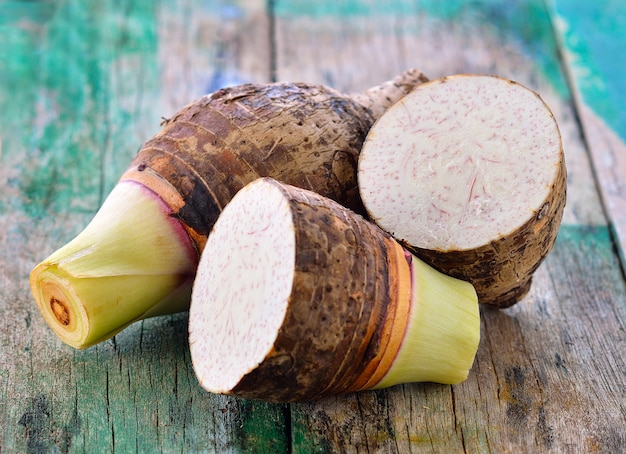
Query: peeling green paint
[[529, 26], [594, 37], [356, 8], [62, 100], [263, 426], [596, 237]]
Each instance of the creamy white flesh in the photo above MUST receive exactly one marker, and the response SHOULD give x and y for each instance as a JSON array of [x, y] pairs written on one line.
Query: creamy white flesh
[[242, 286], [459, 162]]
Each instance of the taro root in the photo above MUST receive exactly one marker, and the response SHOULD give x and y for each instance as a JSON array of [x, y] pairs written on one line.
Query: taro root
[[297, 298], [468, 173], [138, 256]]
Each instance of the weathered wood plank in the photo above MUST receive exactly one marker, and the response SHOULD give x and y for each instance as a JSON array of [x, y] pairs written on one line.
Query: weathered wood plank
[[528, 391], [204, 46], [82, 85], [597, 74]]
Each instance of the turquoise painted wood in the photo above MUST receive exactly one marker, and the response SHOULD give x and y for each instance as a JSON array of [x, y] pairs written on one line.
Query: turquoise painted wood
[[83, 84], [593, 44]]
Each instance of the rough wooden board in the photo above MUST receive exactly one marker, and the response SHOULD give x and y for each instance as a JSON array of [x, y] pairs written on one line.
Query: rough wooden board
[[550, 372], [204, 46]]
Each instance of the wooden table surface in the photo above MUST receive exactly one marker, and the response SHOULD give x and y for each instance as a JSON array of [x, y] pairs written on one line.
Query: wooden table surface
[[84, 83]]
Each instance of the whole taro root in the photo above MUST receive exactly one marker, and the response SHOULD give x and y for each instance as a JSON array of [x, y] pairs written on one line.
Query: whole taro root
[[138, 256]]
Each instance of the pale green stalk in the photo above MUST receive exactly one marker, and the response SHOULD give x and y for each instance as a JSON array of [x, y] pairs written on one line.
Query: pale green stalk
[[131, 262], [442, 333]]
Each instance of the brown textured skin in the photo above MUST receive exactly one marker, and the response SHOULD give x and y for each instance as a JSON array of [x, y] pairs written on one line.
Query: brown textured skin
[[344, 286], [305, 135], [502, 271]]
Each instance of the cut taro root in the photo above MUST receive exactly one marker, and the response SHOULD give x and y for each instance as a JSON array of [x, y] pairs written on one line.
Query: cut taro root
[[297, 298], [468, 173]]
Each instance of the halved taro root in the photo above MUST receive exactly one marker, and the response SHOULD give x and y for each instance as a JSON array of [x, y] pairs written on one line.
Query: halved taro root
[[468, 173], [297, 298]]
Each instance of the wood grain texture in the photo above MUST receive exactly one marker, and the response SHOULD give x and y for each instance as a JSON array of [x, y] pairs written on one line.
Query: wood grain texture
[[84, 84]]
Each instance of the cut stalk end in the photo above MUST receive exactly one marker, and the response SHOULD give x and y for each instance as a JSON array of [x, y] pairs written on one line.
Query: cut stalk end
[[131, 262], [442, 333]]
